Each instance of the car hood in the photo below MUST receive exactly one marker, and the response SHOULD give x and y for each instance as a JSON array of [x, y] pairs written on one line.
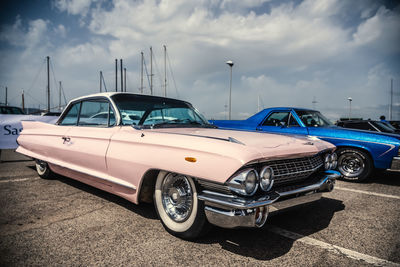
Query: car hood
[[266, 145]]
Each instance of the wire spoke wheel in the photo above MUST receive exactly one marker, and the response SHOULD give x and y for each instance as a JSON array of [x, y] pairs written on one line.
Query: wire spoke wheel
[[177, 197]]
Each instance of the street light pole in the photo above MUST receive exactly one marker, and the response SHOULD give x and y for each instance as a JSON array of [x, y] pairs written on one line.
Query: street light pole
[[230, 63], [350, 99]]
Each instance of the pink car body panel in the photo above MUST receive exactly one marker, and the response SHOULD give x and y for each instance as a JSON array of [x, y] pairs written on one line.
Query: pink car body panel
[[115, 159]]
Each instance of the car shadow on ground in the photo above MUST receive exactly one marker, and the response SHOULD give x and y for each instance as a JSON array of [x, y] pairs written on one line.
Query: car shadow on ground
[[387, 177], [263, 244], [145, 210]]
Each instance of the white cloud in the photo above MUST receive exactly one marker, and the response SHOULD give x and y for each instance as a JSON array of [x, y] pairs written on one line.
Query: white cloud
[[61, 31], [237, 5], [381, 31], [74, 7]]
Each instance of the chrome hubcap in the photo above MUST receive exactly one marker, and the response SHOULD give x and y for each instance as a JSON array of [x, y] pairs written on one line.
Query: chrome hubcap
[[41, 165], [351, 164], [177, 197]]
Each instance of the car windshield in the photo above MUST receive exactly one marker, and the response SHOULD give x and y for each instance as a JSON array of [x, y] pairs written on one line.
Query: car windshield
[[313, 118], [153, 112]]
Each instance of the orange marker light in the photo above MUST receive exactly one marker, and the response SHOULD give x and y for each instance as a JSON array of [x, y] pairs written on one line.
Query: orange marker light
[[190, 159]]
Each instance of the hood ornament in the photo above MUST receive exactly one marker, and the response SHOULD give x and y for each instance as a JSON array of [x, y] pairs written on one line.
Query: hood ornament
[[233, 140]]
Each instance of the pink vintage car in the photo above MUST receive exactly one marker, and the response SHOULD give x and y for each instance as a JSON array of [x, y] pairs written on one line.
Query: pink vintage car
[[146, 148]]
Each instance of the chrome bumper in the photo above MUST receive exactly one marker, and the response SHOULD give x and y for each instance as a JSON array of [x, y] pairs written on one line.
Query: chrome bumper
[[395, 163], [230, 211]]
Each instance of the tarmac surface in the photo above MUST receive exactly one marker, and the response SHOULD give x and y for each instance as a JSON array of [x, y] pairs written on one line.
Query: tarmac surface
[[64, 222]]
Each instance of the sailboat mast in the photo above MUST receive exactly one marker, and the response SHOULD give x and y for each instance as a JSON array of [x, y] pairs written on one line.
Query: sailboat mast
[[391, 100], [151, 70], [116, 75], [48, 84], [141, 75], [122, 76], [59, 97], [6, 96], [23, 101], [100, 81], [165, 70], [124, 79]]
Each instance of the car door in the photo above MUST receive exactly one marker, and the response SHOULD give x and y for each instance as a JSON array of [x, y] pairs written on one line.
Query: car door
[[87, 141], [282, 121]]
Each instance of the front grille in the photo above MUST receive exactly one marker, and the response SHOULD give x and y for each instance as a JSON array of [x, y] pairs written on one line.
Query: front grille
[[292, 170], [212, 186]]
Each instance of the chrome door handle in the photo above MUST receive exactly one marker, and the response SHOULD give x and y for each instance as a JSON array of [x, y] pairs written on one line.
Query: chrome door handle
[[66, 139]]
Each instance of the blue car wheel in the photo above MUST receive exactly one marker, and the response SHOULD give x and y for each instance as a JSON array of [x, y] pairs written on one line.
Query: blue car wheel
[[355, 165]]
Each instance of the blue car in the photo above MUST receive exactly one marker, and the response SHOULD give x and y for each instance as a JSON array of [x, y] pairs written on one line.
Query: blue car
[[359, 152]]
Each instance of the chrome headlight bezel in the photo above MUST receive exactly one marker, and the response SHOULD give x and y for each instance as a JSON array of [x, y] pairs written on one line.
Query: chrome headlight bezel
[[266, 178], [327, 161], [330, 161], [244, 182], [334, 160]]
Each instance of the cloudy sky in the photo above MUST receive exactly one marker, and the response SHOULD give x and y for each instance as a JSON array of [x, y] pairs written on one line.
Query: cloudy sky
[[285, 53]]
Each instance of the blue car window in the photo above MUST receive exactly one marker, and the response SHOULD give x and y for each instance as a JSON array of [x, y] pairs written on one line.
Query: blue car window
[[277, 119]]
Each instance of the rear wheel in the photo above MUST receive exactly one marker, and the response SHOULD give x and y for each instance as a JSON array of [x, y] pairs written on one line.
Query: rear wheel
[[355, 165], [175, 200], [43, 170]]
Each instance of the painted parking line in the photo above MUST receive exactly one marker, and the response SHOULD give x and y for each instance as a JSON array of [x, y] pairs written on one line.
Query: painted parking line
[[367, 192], [18, 180], [332, 248]]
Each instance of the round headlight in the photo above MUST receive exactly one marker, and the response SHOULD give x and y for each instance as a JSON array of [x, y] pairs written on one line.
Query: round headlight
[[251, 182], [244, 182], [327, 161], [333, 161], [266, 178]]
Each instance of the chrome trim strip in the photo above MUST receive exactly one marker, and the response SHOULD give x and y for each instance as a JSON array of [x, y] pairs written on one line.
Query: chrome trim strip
[[218, 194], [374, 127], [229, 139], [132, 187]]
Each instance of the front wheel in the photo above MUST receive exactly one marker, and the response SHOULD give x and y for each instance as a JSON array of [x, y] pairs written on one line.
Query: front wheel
[[355, 165], [43, 170], [175, 200]]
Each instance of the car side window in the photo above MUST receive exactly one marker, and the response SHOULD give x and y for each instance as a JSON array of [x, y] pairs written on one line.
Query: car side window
[[96, 113], [292, 121], [362, 126], [277, 119], [71, 118]]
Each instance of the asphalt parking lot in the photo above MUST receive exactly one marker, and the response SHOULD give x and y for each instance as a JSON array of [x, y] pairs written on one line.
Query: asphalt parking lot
[[65, 222]]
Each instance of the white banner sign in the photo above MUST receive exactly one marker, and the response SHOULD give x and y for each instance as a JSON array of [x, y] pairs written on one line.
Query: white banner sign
[[10, 127]]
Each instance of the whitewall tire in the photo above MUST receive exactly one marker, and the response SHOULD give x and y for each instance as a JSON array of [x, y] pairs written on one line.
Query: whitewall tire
[[175, 200], [43, 170]]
